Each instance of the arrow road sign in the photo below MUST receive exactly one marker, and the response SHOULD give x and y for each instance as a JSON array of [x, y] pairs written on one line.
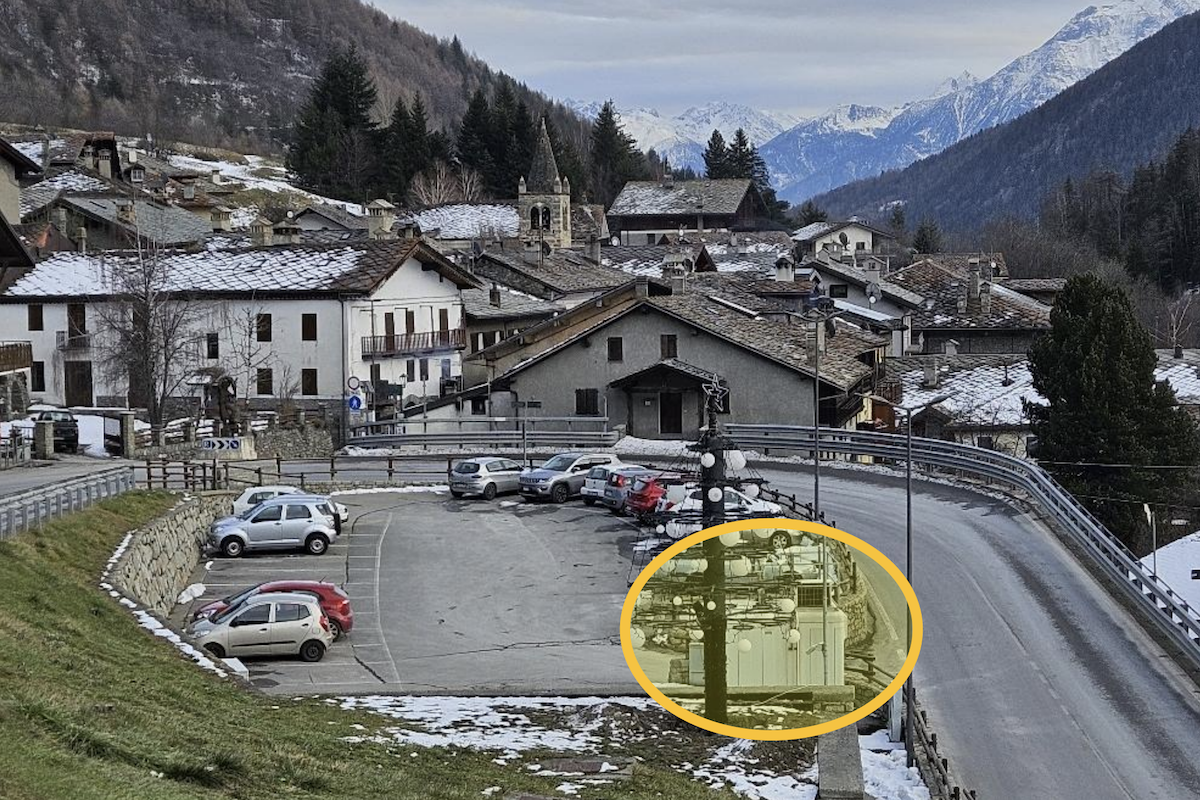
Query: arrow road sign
[[222, 444]]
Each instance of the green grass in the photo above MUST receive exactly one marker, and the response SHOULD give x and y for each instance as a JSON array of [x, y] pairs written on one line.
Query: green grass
[[92, 706]]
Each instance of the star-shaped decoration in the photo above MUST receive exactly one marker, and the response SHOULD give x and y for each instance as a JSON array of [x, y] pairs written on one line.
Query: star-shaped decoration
[[716, 390]]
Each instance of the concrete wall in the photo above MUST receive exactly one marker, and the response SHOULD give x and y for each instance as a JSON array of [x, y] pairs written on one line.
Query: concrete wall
[[164, 553]]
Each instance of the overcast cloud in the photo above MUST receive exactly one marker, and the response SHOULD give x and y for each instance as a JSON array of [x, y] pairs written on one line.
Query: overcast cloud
[[788, 55]]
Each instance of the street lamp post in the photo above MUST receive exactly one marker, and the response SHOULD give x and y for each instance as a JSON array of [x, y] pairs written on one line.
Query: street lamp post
[[908, 411], [712, 487], [818, 317]]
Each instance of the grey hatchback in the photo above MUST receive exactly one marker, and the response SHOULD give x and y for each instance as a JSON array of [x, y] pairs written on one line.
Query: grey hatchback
[[286, 521], [486, 476]]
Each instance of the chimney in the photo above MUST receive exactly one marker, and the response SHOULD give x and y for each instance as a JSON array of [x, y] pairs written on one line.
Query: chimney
[[260, 232], [1179, 351], [215, 178], [594, 248], [45, 151], [873, 271], [381, 216], [815, 340], [222, 218], [126, 212], [931, 376], [950, 347], [785, 269], [985, 299], [131, 156], [494, 295], [104, 163], [189, 191], [60, 219], [89, 157], [81, 238], [973, 279], [286, 231], [668, 180], [521, 186]]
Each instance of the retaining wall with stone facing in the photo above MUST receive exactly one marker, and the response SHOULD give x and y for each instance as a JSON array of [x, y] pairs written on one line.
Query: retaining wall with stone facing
[[163, 554]]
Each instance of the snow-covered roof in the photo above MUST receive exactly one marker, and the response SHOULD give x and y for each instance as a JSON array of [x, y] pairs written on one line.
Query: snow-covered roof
[[984, 390], [470, 221], [282, 268], [812, 231], [1175, 564], [1182, 373], [653, 198]]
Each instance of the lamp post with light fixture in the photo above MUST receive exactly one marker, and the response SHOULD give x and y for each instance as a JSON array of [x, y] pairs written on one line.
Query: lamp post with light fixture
[[818, 317], [712, 487], [908, 412]]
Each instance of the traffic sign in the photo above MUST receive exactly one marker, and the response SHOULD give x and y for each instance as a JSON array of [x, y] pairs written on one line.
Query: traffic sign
[[1196, 574], [353, 383], [221, 444], [354, 402]]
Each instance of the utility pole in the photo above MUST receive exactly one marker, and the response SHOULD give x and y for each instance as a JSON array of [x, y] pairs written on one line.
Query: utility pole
[[712, 477]]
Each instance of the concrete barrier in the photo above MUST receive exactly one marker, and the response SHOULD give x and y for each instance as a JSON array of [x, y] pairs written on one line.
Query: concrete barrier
[[839, 766]]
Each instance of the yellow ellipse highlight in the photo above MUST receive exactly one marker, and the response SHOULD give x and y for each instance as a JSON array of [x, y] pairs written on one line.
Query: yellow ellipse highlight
[[910, 662]]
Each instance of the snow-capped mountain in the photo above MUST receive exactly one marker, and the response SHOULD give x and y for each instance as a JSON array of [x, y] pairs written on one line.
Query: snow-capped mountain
[[853, 142], [681, 138]]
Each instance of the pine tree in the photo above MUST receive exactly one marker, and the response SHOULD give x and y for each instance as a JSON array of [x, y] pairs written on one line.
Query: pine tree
[[570, 165], [474, 132], [928, 238], [615, 157], [716, 157], [898, 222], [420, 152], [397, 160], [810, 212], [739, 158], [1096, 371]]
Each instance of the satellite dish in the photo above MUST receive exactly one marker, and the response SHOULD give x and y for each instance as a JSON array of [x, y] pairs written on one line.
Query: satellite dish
[[873, 293], [615, 241]]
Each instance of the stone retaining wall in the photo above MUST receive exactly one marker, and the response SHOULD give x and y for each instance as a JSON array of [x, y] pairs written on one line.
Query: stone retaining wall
[[307, 442], [163, 554]]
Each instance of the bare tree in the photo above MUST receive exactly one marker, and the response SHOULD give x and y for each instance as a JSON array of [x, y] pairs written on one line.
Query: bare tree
[[147, 331], [470, 185], [1177, 321], [246, 354], [435, 186]]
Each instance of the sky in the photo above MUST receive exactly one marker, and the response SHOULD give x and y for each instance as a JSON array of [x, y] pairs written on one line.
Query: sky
[[797, 56]]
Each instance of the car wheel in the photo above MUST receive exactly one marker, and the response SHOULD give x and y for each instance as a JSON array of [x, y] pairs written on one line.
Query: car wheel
[[215, 650], [311, 651], [589, 501], [233, 547], [316, 544], [780, 540], [559, 493], [334, 629], [489, 492], [456, 495]]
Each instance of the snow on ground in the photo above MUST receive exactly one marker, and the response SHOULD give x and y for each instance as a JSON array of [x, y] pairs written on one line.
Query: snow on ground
[[733, 766], [277, 182], [435, 488], [1175, 564], [884, 771]]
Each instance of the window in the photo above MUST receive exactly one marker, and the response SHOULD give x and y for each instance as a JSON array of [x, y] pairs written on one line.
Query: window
[[443, 319], [290, 612], [587, 402], [410, 322], [839, 290], [76, 319], [212, 345], [35, 317], [986, 442], [298, 512], [411, 374], [616, 348], [478, 406], [650, 238], [376, 377], [266, 381], [262, 327], [308, 382], [260, 497], [445, 369], [269, 514], [669, 344], [424, 369], [37, 376], [256, 615], [308, 327], [860, 245]]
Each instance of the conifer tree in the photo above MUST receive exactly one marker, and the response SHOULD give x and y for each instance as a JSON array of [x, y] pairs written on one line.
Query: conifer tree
[[810, 213], [420, 152], [928, 238], [615, 157], [474, 133], [716, 157], [396, 158]]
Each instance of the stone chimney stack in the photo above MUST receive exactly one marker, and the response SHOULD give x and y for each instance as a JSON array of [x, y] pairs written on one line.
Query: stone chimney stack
[[873, 271], [81, 238], [222, 218], [931, 376], [88, 157], [594, 248], [286, 231], [494, 296], [126, 212], [381, 216], [973, 279], [261, 233], [785, 269], [104, 163], [985, 298], [668, 180]]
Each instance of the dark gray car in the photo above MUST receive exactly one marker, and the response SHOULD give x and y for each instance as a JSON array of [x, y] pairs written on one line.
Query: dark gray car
[[562, 476]]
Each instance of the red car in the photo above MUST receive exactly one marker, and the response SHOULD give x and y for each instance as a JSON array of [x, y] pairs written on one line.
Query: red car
[[334, 602], [643, 497]]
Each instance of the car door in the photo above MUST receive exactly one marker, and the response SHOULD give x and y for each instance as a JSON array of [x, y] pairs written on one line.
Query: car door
[[511, 476], [292, 625], [265, 528], [298, 517], [250, 632], [578, 474]]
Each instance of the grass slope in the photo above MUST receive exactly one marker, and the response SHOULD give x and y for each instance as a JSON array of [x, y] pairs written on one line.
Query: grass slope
[[92, 706]]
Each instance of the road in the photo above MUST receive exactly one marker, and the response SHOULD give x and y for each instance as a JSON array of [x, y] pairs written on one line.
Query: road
[[23, 479]]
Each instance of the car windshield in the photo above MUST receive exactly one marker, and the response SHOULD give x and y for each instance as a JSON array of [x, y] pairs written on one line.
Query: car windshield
[[559, 463], [236, 599], [466, 467], [249, 512]]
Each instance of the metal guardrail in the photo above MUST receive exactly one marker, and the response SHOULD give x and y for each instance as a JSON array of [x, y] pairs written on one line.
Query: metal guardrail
[[1169, 610], [490, 440], [30, 509]]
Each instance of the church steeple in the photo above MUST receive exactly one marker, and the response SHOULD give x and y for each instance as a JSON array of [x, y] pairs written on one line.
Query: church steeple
[[544, 197], [543, 173]]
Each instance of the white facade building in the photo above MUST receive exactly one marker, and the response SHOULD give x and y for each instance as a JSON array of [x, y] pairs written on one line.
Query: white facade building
[[283, 320]]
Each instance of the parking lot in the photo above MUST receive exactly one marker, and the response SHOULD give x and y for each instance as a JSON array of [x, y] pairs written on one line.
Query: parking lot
[[458, 596]]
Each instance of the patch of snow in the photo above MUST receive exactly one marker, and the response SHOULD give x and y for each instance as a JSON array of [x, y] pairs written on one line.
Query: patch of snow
[[885, 775], [469, 221], [436, 488]]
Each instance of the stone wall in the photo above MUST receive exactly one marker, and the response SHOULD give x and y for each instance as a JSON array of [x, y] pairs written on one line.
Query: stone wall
[[163, 554], [307, 442]]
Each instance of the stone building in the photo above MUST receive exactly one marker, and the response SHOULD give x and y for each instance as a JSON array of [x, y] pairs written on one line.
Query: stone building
[[544, 198]]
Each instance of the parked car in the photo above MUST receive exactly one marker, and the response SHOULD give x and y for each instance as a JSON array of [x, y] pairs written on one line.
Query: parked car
[[334, 602], [267, 624], [620, 482], [287, 521], [261, 494], [597, 479], [644, 496], [562, 476], [737, 505], [66, 429], [486, 476]]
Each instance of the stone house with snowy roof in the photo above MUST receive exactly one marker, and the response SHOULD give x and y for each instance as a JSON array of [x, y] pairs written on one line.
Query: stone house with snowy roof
[[852, 236], [566, 276], [645, 212], [282, 320]]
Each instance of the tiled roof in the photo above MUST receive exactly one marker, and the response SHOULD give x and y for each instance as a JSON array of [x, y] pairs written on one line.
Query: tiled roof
[[337, 214], [1035, 284], [654, 198], [165, 225], [562, 271], [1182, 373], [851, 274], [945, 288], [673, 364], [816, 230], [544, 169], [961, 261], [754, 257], [23, 163], [513, 305], [470, 221], [281, 268]]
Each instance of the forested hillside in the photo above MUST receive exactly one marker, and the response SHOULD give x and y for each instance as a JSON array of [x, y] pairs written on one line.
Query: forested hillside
[[1127, 113], [222, 72]]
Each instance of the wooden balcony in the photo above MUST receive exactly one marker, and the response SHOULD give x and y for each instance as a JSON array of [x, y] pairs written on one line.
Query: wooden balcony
[[15, 355], [409, 344]]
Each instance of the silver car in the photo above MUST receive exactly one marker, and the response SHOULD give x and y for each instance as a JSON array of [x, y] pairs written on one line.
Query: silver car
[[562, 476], [597, 478], [268, 624], [620, 484], [288, 521], [486, 476]]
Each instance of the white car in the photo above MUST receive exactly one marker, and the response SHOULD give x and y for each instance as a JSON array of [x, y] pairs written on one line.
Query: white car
[[737, 505], [597, 478], [256, 495], [268, 624]]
